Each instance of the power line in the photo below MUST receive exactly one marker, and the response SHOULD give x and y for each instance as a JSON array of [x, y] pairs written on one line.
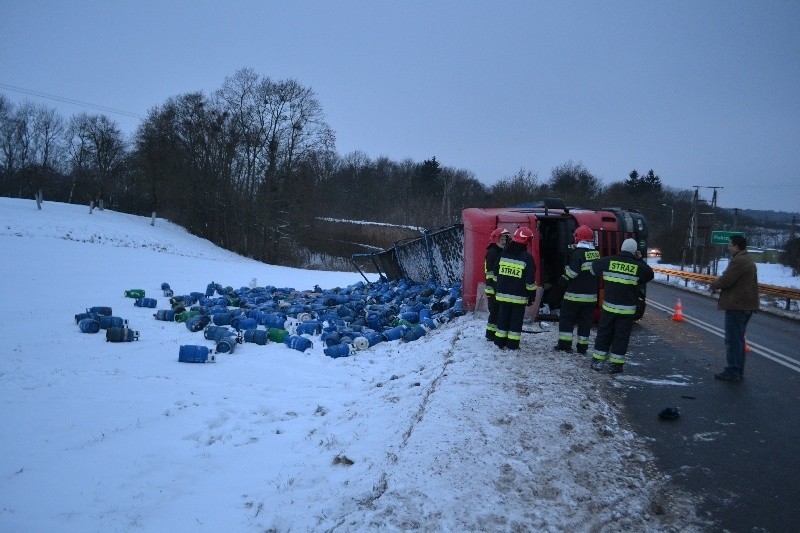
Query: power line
[[768, 186], [73, 101]]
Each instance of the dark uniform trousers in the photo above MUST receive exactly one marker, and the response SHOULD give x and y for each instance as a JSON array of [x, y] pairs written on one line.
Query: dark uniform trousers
[[575, 313], [613, 334], [490, 264], [491, 325], [509, 325]]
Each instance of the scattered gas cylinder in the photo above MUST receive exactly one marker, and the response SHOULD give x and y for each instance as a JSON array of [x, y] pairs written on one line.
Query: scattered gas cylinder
[[195, 354]]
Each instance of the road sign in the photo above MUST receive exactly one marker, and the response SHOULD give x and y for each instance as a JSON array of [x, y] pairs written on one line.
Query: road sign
[[723, 237]]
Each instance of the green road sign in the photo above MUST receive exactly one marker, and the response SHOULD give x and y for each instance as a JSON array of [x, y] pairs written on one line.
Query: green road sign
[[723, 237]]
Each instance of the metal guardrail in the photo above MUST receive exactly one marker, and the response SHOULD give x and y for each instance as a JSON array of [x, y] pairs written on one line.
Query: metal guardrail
[[772, 290]]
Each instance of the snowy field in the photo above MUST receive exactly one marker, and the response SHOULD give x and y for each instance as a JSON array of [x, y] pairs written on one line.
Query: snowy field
[[441, 434]]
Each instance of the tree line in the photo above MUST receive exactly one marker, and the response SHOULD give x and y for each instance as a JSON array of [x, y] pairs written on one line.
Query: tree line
[[253, 168]]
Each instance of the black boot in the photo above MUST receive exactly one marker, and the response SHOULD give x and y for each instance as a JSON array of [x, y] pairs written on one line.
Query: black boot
[[562, 346], [616, 368]]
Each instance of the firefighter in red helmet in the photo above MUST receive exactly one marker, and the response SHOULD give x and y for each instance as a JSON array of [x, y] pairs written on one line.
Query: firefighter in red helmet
[[497, 241], [515, 288], [580, 292]]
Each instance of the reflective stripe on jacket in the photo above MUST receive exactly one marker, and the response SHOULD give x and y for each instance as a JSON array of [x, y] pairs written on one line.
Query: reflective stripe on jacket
[[493, 252], [622, 274], [582, 283], [516, 275]]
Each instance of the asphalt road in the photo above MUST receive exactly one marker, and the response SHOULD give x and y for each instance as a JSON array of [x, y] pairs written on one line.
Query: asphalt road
[[735, 444]]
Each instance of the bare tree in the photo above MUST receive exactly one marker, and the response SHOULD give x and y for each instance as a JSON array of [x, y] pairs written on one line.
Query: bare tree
[[575, 184], [77, 136], [522, 187], [47, 147], [12, 156], [97, 150]]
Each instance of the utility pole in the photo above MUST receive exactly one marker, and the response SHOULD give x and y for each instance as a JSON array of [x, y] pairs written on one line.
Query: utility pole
[[694, 227], [671, 215]]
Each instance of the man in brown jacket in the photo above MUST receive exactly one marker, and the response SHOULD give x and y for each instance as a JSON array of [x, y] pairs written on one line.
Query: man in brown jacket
[[738, 297]]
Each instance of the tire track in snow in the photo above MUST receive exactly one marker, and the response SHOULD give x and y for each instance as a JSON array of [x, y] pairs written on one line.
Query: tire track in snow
[[383, 483]]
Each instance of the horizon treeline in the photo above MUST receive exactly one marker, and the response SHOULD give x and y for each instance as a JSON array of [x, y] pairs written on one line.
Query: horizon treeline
[[253, 167]]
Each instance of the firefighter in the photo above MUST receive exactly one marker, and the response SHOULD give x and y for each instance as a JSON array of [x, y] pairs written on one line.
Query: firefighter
[[515, 288], [623, 274], [497, 241], [580, 296]]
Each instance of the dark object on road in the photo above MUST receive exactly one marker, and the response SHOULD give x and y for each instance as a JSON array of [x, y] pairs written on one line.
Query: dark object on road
[[670, 413]]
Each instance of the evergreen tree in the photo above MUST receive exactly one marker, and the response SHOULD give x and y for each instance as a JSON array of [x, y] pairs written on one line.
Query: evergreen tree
[[633, 183], [791, 255]]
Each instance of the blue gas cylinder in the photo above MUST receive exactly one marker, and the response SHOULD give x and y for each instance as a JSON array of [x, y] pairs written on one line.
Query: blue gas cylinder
[[215, 333], [197, 323], [395, 333], [112, 322], [226, 345], [428, 324], [410, 316], [81, 316], [89, 325], [374, 321], [123, 334], [256, 336], [296, 342], [195, 354], [165, 314], [240, 324], [273, 320], [145, 302], [221, 319], [338, 350], [309, 327], [330, 338], [414, 333], [367, 339]]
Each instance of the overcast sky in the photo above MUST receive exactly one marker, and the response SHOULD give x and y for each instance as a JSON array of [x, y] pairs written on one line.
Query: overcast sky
[[704, 93]]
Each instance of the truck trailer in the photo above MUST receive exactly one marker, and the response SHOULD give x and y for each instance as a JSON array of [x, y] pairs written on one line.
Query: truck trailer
[[553, 225]]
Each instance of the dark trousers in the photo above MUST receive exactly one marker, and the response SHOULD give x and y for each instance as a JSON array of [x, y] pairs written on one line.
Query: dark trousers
[[491, 324], [572, 314], [509, 325], [735, 328], [613, 335]]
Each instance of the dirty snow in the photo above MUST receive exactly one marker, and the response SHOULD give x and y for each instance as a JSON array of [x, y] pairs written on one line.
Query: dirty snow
[[442, 434]]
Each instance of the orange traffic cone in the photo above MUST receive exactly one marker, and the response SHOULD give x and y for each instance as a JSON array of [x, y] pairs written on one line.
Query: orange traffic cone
[[677, 315]]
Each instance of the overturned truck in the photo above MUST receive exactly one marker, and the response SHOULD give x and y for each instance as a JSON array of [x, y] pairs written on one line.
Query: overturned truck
[[456, 253]]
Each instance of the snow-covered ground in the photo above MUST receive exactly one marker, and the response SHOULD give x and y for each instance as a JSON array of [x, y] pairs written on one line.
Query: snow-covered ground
[[444, 433]]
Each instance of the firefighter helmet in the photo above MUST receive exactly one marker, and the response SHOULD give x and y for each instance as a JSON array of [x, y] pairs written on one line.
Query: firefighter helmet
[[523, 235], [496, 234], [584, 233]]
